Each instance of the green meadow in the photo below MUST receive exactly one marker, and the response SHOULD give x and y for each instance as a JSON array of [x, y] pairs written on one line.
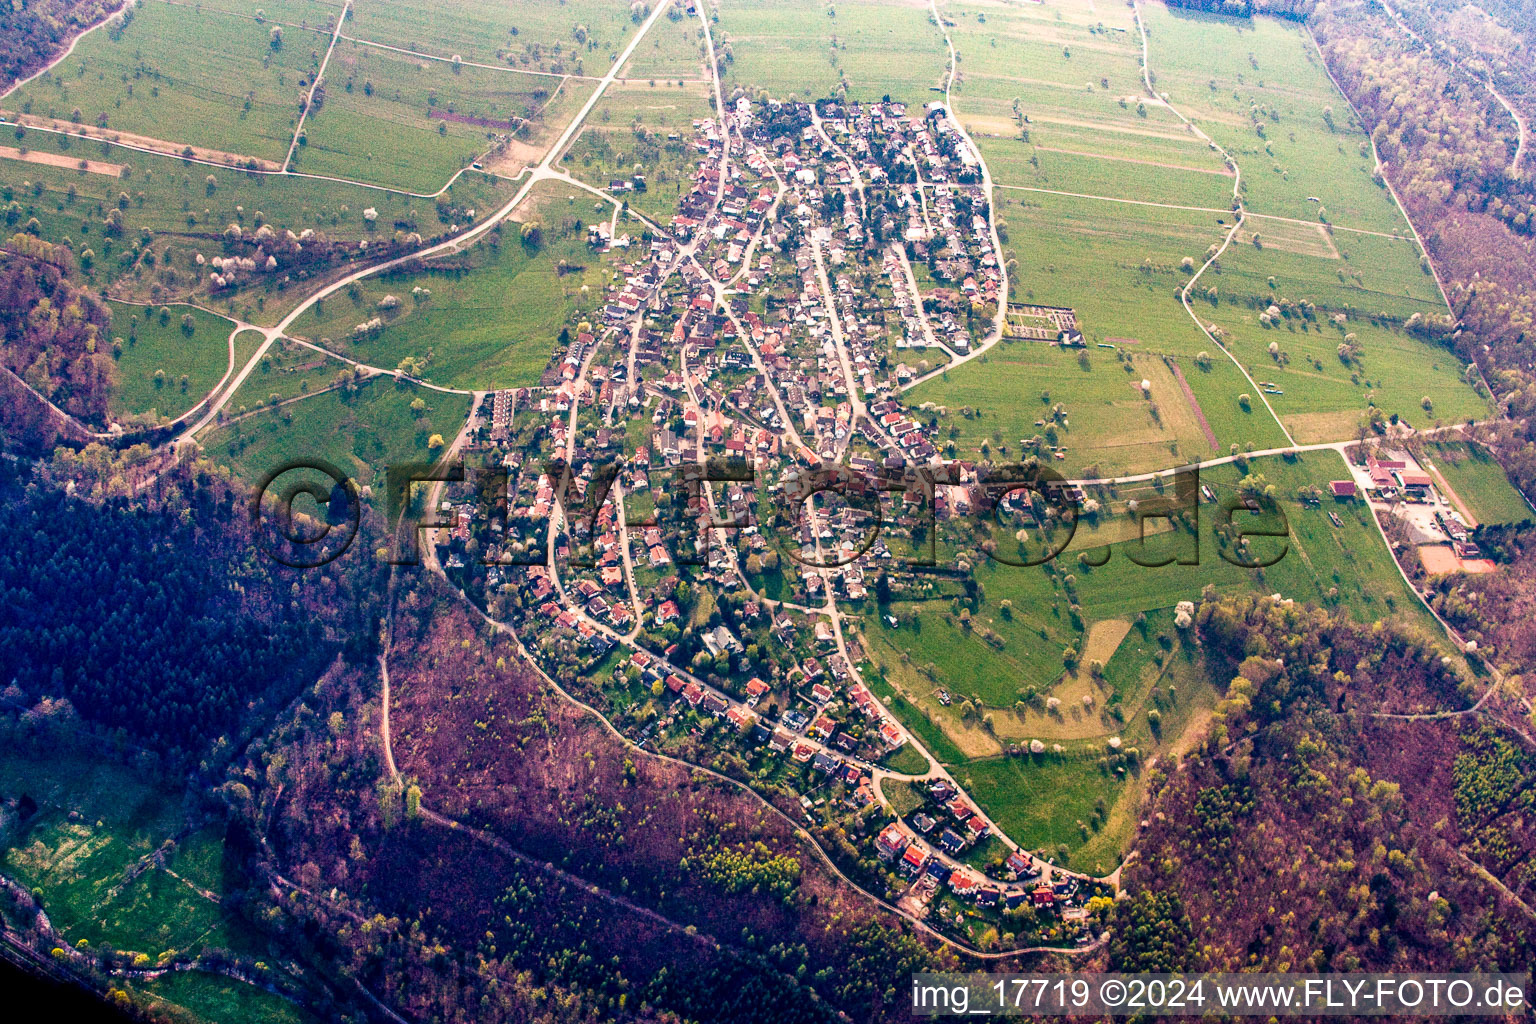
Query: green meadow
[[1479, 482], [1015, 163], [288, 370], [86, 847], [361, 431], [491, 317], [1258, 87], [388, 117], [158, 351], [1125, 601], [673, 49], [241, 95], [1054, 97], [174, 201], [1111, 427], [562, 37], [1132, 253], [805, 49], [203, 996]]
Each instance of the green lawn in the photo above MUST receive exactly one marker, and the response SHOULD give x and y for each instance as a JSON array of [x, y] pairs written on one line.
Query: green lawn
[[908, 760], [202, 996]]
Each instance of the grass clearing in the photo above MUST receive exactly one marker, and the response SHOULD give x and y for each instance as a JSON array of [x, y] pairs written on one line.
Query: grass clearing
[[361, 431], [86, 849], [493, 315], [165, 367], [203, 996]]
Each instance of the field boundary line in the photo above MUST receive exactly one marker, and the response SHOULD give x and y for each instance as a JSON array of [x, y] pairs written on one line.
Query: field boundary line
[[467, 63]]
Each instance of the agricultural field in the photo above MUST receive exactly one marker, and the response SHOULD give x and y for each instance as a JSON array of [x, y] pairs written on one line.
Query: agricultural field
[[1014, 164], [642, 129], [1258, 87], [240, 97], [488, 319], [1337, 269], [165, 366], [1109, 426], [361, 431], [1479, 483], [1134, 254], [673, 50], [412, 122], [553, 37], [186, 215], [1054, 98], [805, 49]]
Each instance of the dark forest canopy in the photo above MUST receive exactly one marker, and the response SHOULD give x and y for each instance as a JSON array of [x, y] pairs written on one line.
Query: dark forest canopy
[[33, 31], [1297, 9], [157, 619]]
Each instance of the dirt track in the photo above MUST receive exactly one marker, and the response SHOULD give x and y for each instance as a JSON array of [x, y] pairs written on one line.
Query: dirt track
[[60, 160]]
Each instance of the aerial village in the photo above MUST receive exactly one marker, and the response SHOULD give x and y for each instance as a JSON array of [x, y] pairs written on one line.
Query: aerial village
[[661, 546]]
